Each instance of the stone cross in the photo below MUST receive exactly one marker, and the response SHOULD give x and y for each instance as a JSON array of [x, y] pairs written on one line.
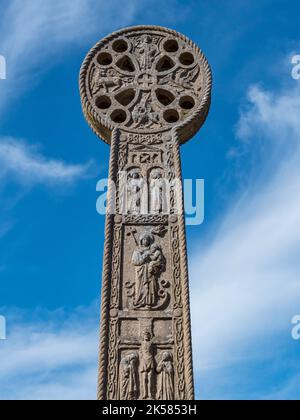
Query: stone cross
[[145, 91]]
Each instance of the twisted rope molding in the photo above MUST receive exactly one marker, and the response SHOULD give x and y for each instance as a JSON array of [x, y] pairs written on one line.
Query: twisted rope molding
[[107, 266], [189, 374], [103, 128]]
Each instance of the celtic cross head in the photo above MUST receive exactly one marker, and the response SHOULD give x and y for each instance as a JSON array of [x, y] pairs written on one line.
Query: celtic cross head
[[146, 80]]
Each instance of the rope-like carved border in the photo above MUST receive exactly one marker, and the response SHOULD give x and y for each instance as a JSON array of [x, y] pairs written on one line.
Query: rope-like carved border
[[186, 129], [107, 265], [189, 376]]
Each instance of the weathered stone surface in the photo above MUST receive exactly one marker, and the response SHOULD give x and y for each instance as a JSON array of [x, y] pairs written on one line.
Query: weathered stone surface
[[145, 90]]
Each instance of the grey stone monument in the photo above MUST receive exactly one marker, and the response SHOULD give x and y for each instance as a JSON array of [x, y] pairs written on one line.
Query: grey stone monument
[[145, 91]]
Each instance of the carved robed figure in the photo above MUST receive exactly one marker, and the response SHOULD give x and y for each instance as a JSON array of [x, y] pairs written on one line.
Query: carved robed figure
[[149, 262], [165, 370], [145, 91], [128, 377]]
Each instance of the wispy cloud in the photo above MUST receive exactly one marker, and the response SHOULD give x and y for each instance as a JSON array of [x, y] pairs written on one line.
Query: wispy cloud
[[26, 164], [272, 115], [246, 280], [53, 356], [35, 34]]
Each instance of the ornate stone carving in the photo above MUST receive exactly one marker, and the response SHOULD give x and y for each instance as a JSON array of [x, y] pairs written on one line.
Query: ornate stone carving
[[144, 80], [145, 90]]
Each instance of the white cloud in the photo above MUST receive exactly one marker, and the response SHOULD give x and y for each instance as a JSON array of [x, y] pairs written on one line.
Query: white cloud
[[246, 279], [273, 115], [52, 357], [28, 166], [35, 34]]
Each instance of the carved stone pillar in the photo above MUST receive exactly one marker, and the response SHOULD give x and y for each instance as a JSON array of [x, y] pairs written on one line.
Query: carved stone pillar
[[145, 91]]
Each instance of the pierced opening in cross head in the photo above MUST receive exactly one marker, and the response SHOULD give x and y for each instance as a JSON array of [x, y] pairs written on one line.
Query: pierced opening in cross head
[[103, 102], [187, 102], [187, 59], [171, 116], [104, 59], [118, 116], [126, 64], [171, 46], [165, 63], [165, 97], [126, 97], [120, 46]]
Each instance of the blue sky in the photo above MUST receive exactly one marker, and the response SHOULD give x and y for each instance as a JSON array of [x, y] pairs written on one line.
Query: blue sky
[[244, 263]]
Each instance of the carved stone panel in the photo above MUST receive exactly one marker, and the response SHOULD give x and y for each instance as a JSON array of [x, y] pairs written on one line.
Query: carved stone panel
[[146, 282]]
